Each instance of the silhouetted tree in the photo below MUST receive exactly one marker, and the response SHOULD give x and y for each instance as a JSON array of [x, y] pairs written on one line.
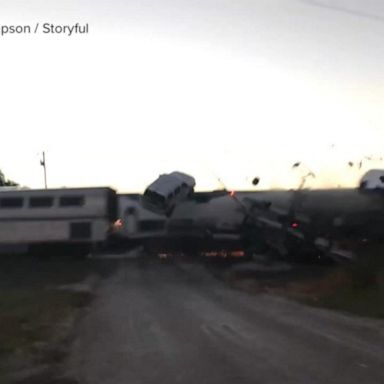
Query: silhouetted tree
[[6, 182]]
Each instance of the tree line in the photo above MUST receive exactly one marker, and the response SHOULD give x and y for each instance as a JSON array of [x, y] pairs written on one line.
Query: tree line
[[4, 182]]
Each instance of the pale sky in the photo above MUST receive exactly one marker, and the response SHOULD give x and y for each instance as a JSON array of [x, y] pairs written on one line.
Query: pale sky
[[215, 88]]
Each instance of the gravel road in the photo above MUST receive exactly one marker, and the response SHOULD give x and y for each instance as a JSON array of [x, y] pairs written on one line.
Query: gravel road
[[173, 322]]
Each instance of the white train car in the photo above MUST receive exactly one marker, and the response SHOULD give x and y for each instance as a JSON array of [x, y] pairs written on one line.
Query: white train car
[[204, 221], [136, 222], [56, 216]]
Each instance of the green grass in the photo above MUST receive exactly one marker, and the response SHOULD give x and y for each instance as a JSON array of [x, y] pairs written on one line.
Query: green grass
[[28, 316], [34, 308], [357, 288]]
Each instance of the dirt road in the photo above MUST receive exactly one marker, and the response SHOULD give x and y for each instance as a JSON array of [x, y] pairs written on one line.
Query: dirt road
[[155, 322]]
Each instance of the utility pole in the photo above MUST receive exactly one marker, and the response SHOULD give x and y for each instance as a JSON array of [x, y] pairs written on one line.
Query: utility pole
[[42, 163]]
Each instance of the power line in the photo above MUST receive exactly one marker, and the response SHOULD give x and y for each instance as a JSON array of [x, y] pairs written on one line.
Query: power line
[[339, 8]]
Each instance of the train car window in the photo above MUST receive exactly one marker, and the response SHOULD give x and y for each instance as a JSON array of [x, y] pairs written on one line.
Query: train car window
[[71, 201], [11, 202], [40, 202]]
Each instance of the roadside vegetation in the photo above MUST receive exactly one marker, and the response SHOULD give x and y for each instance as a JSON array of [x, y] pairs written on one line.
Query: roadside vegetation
[[4, 182], [356, 287], [39, 302]]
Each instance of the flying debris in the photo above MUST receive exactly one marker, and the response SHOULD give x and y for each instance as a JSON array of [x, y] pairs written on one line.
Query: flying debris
[[309, 173]]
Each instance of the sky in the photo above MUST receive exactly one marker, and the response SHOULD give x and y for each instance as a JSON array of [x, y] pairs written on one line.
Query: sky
[[223, 90]]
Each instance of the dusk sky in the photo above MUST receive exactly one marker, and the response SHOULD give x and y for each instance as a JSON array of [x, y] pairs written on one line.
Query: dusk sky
[[217, 89]]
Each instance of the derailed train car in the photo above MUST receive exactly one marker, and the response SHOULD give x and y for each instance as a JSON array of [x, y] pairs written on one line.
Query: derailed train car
[[321, 223], [206, 221], [299, 224]]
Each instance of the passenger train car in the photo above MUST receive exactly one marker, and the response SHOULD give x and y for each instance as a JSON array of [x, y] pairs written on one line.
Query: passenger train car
[[136, 222], [56, 216]]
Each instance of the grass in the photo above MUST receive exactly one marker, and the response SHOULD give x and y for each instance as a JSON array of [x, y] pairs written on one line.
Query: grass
[[29, 316], [34, 329], [359, 287], [356, 288], [35, 309], [367, 302]]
